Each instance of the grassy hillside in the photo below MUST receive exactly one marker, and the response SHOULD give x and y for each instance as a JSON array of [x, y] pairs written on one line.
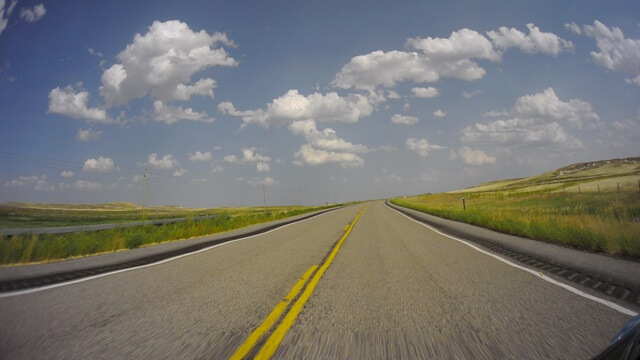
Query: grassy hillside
[[561, 206], [609, 174]]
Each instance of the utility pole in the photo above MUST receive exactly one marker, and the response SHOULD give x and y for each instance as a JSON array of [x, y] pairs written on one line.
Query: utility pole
[[144, 193]]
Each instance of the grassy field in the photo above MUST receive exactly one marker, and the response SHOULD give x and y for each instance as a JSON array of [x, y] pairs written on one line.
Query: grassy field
[[29, 215], [24, 249], [549, 207]]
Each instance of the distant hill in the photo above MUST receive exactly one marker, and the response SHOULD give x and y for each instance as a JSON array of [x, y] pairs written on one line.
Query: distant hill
[[85, 207], [609, 175]]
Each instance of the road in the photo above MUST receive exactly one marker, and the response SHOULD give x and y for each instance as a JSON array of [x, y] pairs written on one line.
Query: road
[[392, 289]]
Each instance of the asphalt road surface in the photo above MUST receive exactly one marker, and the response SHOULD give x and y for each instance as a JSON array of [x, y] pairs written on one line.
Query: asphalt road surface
[[390, 289]]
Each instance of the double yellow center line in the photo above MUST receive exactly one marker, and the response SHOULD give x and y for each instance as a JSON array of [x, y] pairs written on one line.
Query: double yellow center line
[[272, 343]]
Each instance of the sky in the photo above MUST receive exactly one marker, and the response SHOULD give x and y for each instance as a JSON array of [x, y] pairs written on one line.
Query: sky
[[311, 102]]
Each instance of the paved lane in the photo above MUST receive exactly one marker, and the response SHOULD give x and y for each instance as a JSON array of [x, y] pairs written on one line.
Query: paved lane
[[199, 306], [400, 290], [394, 289]]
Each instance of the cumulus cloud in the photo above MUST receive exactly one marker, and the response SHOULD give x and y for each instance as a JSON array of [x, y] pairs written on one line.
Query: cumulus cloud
[[421, 146], [617, 53], [198, 156], [101, 164], [262, 166], [547, 105], [39, 183], [439, 113], [534, 42], [294, 106], [67, 173], [203, 87], [404, 120], [179, 172], [171, 114], [535, 121], [326, 139], [435, 57], [33, 14], [475, 157], [88, 135], [165, 162], [249, 156], [308, 155], [70, 103], [421, 92], [162, 62], [87, 185]]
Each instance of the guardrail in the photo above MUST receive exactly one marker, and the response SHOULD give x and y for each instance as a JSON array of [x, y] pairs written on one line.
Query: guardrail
[[96, 227]]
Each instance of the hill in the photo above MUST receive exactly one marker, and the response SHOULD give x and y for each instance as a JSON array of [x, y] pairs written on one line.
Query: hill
[[581, 177]]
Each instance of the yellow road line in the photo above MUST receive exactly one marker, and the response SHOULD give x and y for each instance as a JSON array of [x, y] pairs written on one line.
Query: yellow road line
[[271, 319], [277, 336]]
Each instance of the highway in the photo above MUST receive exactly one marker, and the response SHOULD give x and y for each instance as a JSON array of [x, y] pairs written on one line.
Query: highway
[[359, 282]]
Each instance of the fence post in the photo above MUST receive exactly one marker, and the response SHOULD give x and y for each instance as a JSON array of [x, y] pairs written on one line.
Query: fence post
[[578, 189], [464, 205], [598, 188], [618, 185]]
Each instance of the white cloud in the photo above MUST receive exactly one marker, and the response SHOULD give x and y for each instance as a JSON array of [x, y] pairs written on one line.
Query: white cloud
[[421, 146], [573, 27], [617, 53], [249, 155], [534, 121], [5, 12], [179, 172], [471, 94], [326, 139], [308, 155], [39, 183], [536, 41], [74, 104], [262, 166], [202, 87], [34, 14], [439, 113], [88, 135], [87, 185], [392, 95], [101, 164], [421, 92], [198, 181], [404, 120], [547, 105], [294, 106], [217, 168], [67, 173], [198, 156], [162, 60], [171, 114], [166, 162], [267, 181], [475, 157], [461, 45]]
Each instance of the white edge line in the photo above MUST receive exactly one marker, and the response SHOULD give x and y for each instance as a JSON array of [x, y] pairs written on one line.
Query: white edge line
[[537, 274], [53, 286]]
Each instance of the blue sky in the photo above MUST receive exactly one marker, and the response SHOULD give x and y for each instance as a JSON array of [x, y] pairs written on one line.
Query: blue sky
[[322, 101]]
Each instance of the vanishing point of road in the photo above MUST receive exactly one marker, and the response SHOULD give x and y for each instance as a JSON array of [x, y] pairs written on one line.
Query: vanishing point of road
[[359, 282]]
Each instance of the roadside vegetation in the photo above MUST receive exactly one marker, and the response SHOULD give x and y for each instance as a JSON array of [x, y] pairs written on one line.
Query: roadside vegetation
[[565, 207], [23, 249]]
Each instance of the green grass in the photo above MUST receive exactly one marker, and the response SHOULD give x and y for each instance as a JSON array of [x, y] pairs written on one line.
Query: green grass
[[23, 249], [26, 215], [601, 222]]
